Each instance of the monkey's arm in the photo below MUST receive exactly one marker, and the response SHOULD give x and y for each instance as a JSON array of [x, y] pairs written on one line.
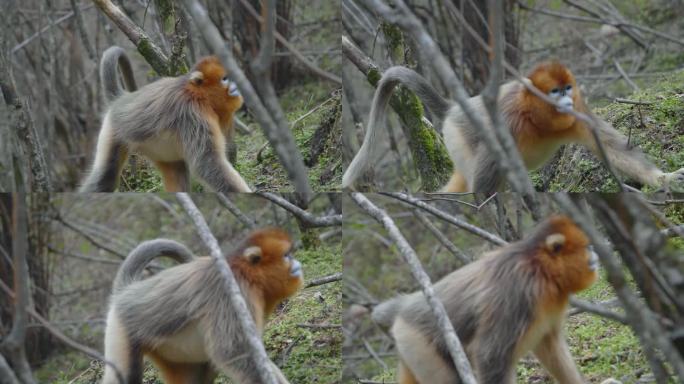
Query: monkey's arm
[[205, 148], [629, 161], [554, 354], [279, 374]]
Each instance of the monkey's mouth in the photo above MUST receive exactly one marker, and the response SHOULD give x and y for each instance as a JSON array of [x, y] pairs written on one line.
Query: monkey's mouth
[[233, 90], [296, 269], [593, 259]]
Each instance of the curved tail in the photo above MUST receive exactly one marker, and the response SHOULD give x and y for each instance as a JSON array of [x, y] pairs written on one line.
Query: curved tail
[[132, 267], [112, 59], [386, 312], [390, 79]]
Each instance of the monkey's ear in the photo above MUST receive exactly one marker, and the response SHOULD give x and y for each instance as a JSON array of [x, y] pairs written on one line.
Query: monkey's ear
[[252, 254], [554, 242], [196, 77]]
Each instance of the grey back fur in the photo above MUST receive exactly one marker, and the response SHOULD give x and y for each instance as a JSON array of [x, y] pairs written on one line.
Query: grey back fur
[[165, 303], [500, 288], [141, 114], [132, 267], [390, 79]]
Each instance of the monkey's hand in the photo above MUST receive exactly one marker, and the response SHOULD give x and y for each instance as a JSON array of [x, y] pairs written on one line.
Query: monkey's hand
[[674, 181]]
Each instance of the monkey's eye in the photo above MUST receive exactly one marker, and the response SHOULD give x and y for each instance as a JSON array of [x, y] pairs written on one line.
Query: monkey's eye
[[225, 82], [554, 91], [568, 87]]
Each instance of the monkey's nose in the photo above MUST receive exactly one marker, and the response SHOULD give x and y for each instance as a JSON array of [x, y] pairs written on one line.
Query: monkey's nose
[[296, 269], [593, 260], [565, 104], [233, 89]]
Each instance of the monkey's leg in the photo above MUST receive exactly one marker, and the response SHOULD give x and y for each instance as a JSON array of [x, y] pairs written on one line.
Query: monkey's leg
[[554, 354], [183, 373], [121, 351], [175, 176], [405, 376], [110, 157], [420, 356], [457, 183], [487, 176]]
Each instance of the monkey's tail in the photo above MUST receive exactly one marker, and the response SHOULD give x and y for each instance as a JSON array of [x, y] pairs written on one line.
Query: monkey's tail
[[132, 267], [385, 313], [390, 79], [115, 57]]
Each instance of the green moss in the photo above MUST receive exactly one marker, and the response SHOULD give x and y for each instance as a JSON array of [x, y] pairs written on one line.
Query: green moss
[[395, 40], [374, 75], [148, 52], [427, 148]]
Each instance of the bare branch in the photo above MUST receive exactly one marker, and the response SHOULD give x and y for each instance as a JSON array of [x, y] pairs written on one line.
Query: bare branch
[[244, 219], [257, 351], [460, 255], [152, 53], [275, 127], [448, 218], [453, 344], [595, 308], [88, 237], [13, 345], [324, 280], [298, 55], [305, 217], [65, 339]]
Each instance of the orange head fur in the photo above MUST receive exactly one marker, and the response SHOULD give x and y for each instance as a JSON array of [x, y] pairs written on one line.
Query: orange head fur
[[547, 76], [263, 260], [208, 85], [563, 258]]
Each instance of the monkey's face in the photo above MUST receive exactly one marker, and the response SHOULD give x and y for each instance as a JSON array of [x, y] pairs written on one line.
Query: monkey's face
[[267, 262], [567, 256], [210, 81], [557, 82]]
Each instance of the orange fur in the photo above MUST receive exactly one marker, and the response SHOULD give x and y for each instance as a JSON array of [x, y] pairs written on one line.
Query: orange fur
[[178, 373], [270, 276], [543, 115], [535, 124], [405, 375], [566, 271], [211, 92]]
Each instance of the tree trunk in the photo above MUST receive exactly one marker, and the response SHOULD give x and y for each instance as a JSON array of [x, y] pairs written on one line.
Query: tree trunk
[[248, 32]]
